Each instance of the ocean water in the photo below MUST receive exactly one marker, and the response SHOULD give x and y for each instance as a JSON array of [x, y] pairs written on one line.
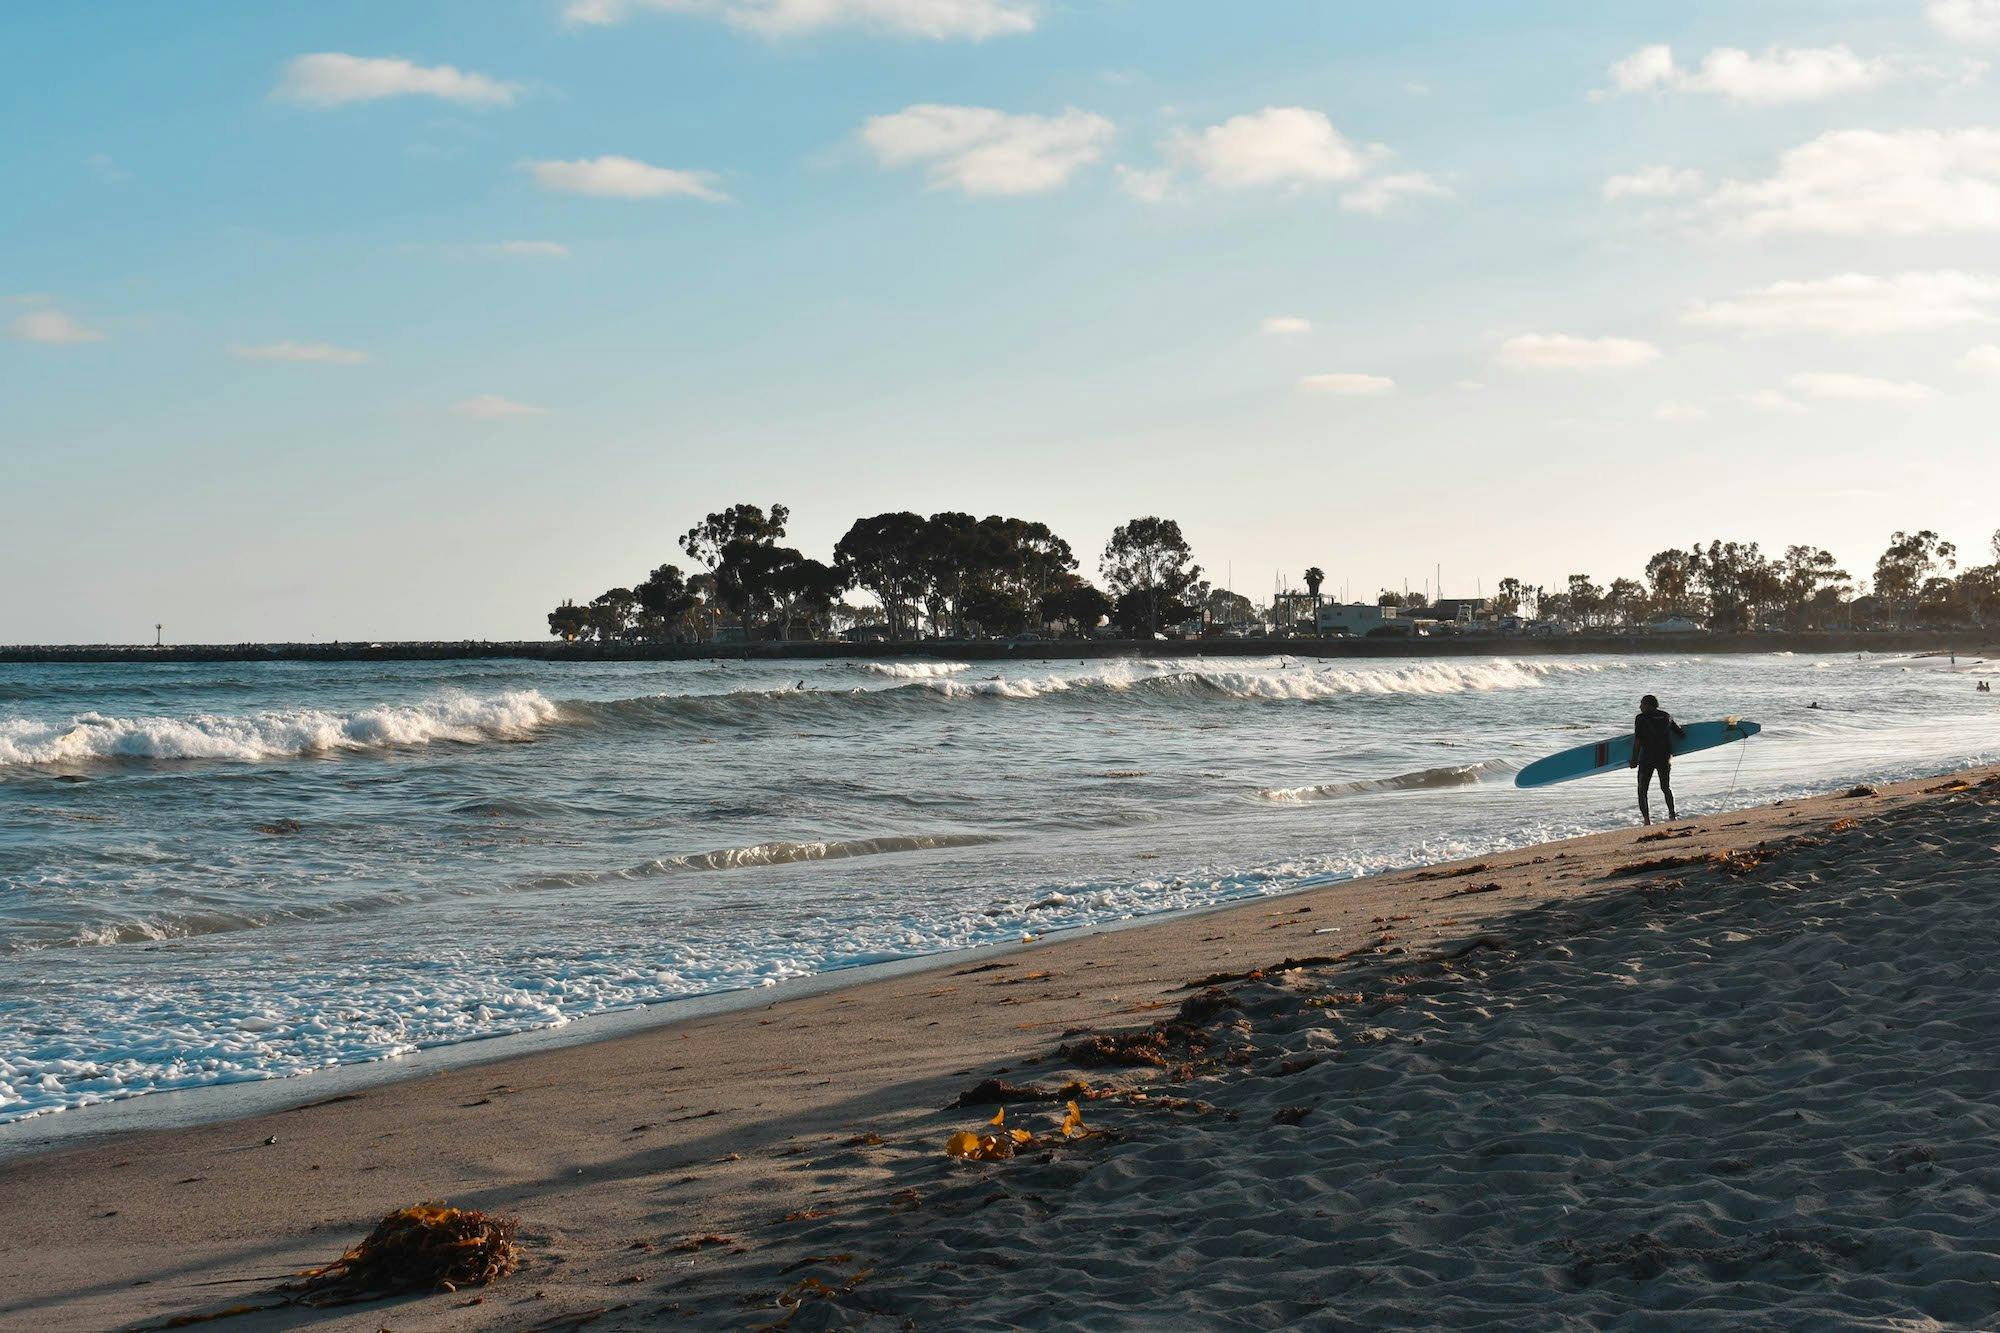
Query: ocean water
[[221, 873]]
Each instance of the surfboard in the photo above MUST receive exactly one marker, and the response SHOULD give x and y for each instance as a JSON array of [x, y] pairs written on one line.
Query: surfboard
[[1608, 756]]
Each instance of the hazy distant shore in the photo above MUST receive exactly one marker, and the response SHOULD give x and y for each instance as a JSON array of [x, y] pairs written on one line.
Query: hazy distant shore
[[1458, 645]]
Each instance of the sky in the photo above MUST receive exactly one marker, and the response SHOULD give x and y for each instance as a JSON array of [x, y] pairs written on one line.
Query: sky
[[411, 318]]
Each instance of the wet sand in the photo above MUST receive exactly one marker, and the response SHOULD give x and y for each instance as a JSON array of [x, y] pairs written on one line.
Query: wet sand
[[1543, 1088]]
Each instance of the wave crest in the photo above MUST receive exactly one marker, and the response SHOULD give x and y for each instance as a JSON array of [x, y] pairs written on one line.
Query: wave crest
[[1423, 779], [915, 670], [775, 854], [278, 734]]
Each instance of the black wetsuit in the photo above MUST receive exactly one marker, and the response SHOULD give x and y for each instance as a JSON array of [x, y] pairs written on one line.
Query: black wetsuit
[[1653, 736]]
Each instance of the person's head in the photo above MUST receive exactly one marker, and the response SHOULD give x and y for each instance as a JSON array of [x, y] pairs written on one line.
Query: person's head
[[1649, 704]]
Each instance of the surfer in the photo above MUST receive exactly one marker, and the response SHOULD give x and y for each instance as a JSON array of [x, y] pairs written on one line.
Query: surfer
[[1654, 732]]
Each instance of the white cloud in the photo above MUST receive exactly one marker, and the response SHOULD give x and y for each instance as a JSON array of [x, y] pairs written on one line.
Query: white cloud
[[1151, 185], [1560, 351], [53, 327], [1280, 145], [1378, 195], [1780, 75], [527, 249], [615, 177], [322, 353], [985, 152], [1654, 183], [1856, 303], [1285, 324], [1770, 400], [975, 20], [1859, 388], [1679, 413], [1983, 360], [492, 407], [329, 78], [1863, 182], [1976, 21], [1349, 385]]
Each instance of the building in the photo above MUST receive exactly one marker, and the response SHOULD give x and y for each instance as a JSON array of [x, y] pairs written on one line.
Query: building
[[1357, 619], [1462, 608]]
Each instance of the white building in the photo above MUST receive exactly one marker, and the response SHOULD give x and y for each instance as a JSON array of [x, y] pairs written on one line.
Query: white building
[[1357, 619]]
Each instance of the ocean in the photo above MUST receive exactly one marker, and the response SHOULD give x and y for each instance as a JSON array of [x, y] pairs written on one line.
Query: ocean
[[221, 873]]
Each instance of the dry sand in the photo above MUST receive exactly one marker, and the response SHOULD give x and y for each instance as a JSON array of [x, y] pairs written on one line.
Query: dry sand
[[1760, 1093]]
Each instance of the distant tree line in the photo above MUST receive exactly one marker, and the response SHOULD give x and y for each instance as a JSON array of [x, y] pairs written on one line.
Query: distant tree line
[[954, 575], [1734, 586], [947, 575]]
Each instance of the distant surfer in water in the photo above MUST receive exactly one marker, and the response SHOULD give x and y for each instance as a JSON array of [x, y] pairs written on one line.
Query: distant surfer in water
[[1654, 732]]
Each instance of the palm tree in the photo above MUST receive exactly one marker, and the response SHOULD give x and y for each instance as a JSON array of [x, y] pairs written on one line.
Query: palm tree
[[1316, 576]]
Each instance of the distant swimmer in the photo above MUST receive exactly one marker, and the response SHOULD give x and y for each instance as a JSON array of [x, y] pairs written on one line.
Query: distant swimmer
[[1654, 732], [1813, 704]]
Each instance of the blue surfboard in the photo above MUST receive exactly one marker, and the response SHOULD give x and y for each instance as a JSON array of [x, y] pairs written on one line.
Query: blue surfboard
[[1609, 756]]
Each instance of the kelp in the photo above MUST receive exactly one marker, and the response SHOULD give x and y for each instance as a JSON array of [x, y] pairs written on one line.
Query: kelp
[[996, 1142], [428, 1247]]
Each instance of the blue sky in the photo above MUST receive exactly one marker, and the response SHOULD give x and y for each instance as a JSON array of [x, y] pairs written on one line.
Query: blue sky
[[409, 319]]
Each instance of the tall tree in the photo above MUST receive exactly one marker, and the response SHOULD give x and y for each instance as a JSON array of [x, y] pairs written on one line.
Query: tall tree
[[739, 545], [569, 621], [738, 523], [882, 556], [1510, 595], [666, 603], [1077, 603], [1670, 575], [1902, 571], [1150, 569], [1315, 579], [1803, 573], [1625, 601], [1586, 599], [610, 614], [802, 588]]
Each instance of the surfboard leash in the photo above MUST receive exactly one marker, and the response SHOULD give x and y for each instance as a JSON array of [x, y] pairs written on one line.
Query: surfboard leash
[[1743, 754]]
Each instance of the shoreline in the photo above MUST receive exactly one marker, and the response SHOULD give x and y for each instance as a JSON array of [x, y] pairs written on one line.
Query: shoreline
[[723, 1122], [1969, 642]]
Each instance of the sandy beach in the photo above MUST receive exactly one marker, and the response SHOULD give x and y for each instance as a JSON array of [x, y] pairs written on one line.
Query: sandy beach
[[1738, 1069]]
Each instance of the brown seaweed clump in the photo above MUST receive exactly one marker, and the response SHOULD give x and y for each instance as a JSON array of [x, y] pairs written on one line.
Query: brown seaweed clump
[[430, 1247]]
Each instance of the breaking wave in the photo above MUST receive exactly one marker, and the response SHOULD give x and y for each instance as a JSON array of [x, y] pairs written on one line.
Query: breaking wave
[[915, 670], [775, 854], [1424, 779], [277, 734], [919, 684]]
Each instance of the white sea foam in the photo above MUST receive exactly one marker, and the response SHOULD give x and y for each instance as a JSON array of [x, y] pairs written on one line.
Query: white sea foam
[[1297, 681], [277, 734], [915, 670]]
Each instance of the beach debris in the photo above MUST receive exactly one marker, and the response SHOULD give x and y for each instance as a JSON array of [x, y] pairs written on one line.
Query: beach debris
[[701, 1242], [1665, 835], [1840, 825], [428, 1247], [997, 1142], [1291, 1115], [1956, 784], [999, 1092], [992, 1145], [1854, 793], [1214, 979], [1494, 887], [1460, 872], [1148, 1047]]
